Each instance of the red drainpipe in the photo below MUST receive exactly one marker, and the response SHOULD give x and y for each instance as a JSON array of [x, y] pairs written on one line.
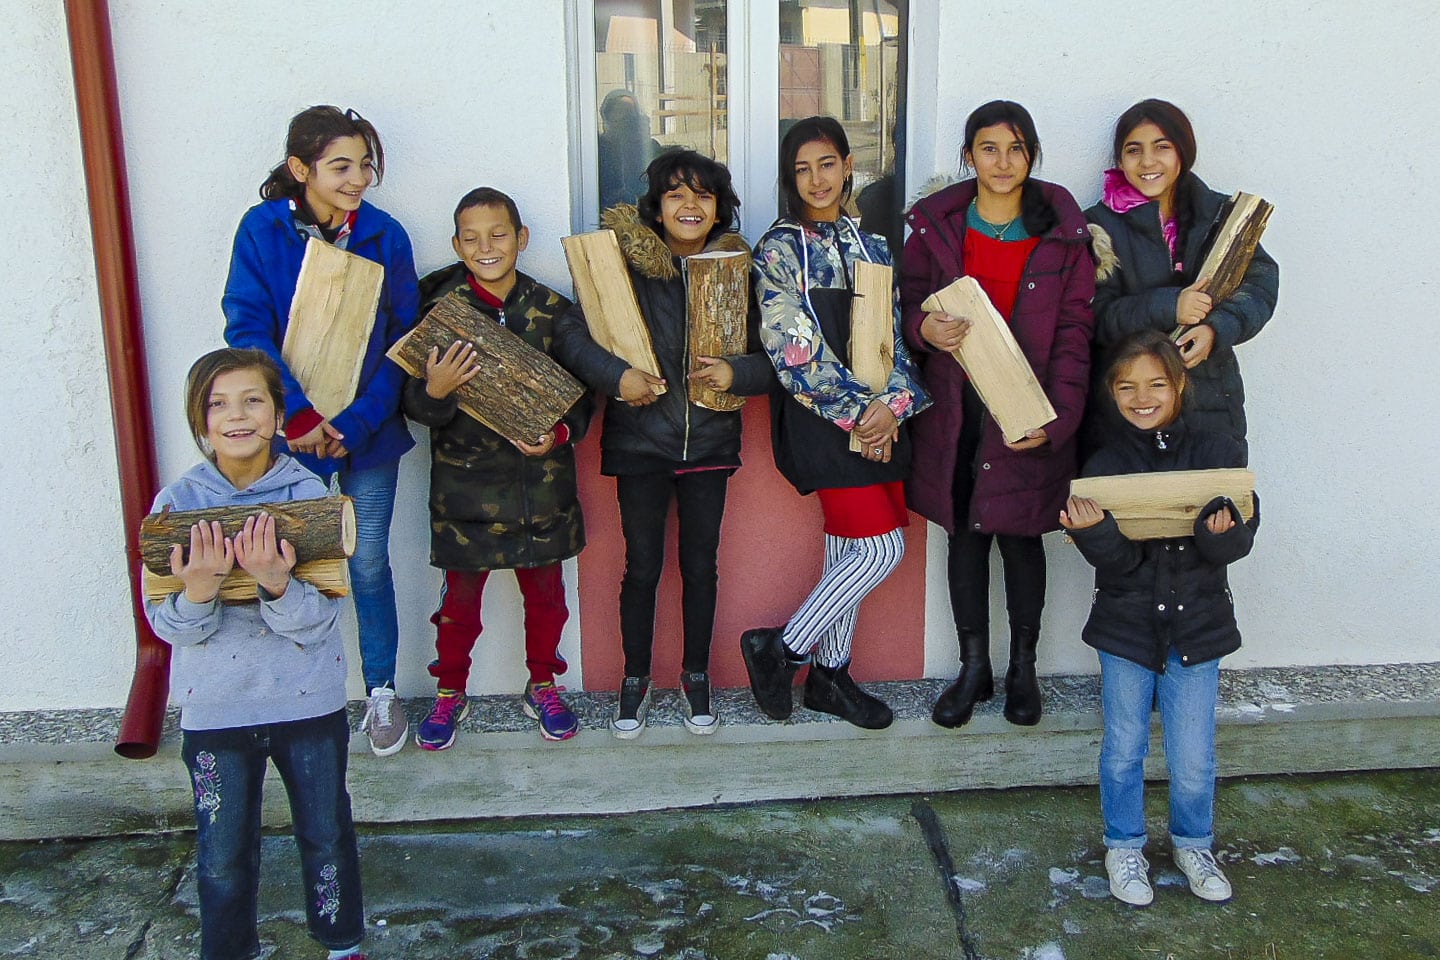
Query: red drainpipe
[[92, 58]]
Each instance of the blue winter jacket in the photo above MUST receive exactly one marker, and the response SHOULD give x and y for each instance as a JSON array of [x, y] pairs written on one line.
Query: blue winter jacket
[[264, 267]]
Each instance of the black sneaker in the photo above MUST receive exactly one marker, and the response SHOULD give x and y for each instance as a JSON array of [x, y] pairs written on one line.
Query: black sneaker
[[698, 717], [833, 691], [633, 709]]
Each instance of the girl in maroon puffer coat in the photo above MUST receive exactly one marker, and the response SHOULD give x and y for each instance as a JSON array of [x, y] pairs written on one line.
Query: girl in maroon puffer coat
[[1025, 242]]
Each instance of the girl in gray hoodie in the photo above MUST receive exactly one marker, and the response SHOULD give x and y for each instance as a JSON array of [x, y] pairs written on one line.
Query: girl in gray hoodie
[[259, 680]]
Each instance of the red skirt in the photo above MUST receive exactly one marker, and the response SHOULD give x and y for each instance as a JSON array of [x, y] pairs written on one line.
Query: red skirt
[[857, 512]]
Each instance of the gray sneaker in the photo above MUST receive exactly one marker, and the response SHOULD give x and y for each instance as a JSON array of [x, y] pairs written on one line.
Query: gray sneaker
[[1200, 868], [385, 723], [1129, 880]]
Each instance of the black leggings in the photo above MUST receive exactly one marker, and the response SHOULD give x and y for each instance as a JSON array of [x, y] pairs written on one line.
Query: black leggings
[[1023, 558], [644, 505]]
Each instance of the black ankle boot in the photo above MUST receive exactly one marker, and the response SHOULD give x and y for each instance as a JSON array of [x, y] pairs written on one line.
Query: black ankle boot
[[771, 668], [1022, 690], [975, 684], [832, 691]]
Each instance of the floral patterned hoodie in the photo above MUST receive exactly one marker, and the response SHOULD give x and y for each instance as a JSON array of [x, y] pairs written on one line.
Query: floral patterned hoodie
[[793, 259]]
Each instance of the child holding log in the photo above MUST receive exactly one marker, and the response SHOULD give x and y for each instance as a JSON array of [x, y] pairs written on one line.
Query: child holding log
[[806, 270], [1161, 620], [332, 158], [1151, 230], [263, 679], [494, 504], [1024, 242], [663, 447]]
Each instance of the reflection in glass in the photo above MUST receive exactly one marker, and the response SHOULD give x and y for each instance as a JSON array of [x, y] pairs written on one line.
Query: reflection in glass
[[846, 59], [660, 82]]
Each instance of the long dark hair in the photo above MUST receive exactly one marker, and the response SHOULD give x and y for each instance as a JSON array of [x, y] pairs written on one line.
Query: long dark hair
[[311, 131], [1036, 212], [1177, 129], [699, 173], [810, 130]]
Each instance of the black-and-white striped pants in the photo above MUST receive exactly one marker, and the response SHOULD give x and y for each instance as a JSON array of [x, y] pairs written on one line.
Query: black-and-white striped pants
[[825, 622]]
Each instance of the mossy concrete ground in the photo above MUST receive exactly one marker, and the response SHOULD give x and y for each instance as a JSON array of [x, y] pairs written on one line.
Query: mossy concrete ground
[[1333, 867]]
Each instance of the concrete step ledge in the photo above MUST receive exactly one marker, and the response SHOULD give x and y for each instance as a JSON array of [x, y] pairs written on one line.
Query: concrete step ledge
[[60, 777]]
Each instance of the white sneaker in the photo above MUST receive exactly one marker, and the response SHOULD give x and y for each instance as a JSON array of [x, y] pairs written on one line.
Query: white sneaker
[[385, 723], [1129, 882], [1200, 868]]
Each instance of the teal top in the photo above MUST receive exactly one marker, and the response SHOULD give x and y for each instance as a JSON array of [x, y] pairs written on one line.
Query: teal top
[[1014, 230]]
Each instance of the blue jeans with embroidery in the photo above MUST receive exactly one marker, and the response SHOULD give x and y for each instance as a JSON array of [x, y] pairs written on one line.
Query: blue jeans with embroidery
[[227, 770], [371, 582], [1187, 698]]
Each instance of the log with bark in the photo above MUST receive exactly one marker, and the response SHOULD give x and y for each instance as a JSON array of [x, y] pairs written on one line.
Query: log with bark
[[872, 330], [719, 300], [331, 317], [1242, 220], [993, 360], [602, 285], [1151, 506], [520, 392]]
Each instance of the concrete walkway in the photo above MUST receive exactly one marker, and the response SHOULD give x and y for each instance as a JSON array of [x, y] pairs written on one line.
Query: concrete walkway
[[1341, 867]]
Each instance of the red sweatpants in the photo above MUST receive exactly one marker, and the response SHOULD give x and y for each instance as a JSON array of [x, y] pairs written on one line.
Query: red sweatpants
[[457, 623]]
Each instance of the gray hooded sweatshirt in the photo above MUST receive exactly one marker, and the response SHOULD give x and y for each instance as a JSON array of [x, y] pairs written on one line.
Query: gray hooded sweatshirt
[[239, 665]]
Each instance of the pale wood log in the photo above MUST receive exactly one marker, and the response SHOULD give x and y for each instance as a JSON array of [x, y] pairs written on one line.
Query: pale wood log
[[993, 360], [1151, 506], [602, 284], [330, 577], [719, 299], [331, 318], [872, 329], [520, 392], [319, 529]]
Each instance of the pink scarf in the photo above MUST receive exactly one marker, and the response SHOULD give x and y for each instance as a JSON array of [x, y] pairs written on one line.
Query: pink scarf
[[1120, 196]]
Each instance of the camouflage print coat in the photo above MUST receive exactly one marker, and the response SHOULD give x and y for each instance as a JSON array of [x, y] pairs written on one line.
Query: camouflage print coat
[[491, 506]]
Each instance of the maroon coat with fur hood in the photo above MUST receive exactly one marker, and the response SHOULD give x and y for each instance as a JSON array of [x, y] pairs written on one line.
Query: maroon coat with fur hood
[[1015, 493]]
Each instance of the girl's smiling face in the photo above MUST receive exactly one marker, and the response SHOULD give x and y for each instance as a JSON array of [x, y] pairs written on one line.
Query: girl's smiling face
[[241, 419], [999, 158], [687, 216], [1144, 393], [335, 183], [820, 175], [1151, 163]]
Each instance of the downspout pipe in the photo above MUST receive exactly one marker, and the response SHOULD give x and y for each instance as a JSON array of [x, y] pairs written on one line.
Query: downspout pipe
[[98, 104]]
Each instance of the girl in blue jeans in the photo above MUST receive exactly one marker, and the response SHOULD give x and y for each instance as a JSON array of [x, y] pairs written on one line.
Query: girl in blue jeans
[[257, 680], [331, 159], [1162, 618]]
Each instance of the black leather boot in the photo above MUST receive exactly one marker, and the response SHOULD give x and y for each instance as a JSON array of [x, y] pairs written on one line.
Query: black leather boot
[[975, 684], [772, 670], [1022, 690], [834, 692]]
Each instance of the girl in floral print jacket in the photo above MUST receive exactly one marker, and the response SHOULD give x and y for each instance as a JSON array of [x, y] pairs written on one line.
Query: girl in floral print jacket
[[805, 278]]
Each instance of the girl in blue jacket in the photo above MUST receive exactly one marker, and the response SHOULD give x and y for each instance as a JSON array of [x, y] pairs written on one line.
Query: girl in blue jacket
[[331, 159], [258, 682]]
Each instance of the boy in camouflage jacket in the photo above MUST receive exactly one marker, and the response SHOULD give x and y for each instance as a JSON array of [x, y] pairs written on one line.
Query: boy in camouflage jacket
[[494, 504]]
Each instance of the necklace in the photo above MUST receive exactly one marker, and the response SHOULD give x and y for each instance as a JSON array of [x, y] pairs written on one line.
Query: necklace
[[998, 229]]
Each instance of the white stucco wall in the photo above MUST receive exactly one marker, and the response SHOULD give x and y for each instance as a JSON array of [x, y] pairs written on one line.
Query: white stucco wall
[[1288, 102], [464, 93]]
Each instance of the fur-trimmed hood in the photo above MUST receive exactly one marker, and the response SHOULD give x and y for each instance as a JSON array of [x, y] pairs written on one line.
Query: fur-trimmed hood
[[645, 250], [1107, 261]]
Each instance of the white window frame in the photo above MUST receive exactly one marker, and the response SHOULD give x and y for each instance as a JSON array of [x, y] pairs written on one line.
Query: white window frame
[[753, 106]]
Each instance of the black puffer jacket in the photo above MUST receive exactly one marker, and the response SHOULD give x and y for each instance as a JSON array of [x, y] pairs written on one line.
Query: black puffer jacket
[[671, 432], [491, 506], [1137, 289], [1152, 595]]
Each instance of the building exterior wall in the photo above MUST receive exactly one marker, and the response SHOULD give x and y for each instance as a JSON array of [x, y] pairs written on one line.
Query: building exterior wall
[[1285, 100]]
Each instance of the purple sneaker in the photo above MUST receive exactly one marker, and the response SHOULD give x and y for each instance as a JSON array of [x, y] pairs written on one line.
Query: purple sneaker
[[437, 731], [542, 702]]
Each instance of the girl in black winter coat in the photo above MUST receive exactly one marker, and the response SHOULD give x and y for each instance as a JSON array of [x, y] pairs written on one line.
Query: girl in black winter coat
[[662, 447], [1161, 619], [1151, 232]]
